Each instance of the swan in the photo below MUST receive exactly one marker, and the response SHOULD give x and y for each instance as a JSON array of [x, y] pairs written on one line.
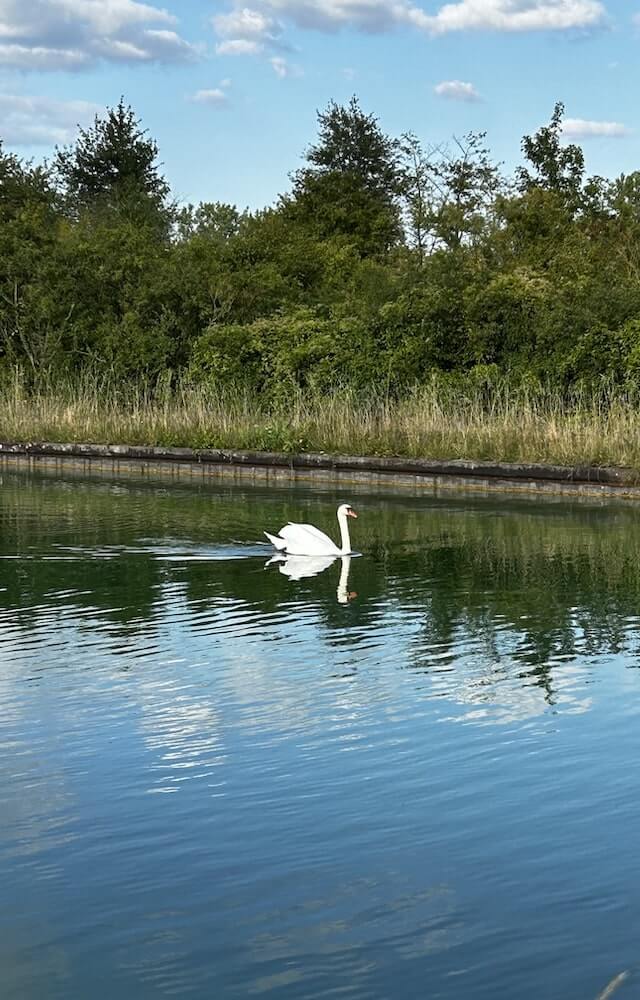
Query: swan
[[306, 540]]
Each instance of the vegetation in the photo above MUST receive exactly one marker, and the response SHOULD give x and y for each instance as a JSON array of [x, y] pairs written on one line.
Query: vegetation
[[399, 298], [442, 419]]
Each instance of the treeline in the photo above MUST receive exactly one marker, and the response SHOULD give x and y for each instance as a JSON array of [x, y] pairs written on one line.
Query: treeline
[[385, 261]]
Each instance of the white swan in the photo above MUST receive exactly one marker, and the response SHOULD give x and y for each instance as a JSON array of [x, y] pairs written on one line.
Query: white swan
[[305, 540]]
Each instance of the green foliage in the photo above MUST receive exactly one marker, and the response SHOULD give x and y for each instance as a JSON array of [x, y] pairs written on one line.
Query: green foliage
[[112, 168], [214, 221], [352, 183], [557, 167], [389, 264], [448, 194], [298, 349]]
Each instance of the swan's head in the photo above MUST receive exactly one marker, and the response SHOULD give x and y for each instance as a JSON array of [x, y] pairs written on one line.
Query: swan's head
[[346, 510]]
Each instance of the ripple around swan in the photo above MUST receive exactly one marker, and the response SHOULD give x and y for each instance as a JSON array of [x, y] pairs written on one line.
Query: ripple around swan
[[414, 771]]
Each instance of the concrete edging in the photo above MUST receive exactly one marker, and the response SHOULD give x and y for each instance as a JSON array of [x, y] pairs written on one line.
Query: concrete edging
[[529, 477]]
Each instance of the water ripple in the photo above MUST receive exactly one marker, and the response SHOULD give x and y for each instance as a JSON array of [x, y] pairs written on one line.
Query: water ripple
[[222, 780]]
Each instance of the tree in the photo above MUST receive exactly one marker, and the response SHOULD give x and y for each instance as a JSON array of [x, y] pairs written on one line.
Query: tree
[[28, 234], [416, 192], [351, 185], [113, 168], [557, 168], [448, 195], [213, 220]]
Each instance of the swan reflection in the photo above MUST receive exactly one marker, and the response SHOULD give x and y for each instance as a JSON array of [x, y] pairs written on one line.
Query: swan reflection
[[301, 567]]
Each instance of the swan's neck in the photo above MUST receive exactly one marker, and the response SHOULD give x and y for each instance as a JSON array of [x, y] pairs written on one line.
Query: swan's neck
[[345, 541]]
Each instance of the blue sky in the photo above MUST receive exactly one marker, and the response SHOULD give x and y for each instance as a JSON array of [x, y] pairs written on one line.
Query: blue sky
[[230, 88]]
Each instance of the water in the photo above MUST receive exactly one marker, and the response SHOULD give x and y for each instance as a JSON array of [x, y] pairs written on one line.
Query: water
[[414, 775]]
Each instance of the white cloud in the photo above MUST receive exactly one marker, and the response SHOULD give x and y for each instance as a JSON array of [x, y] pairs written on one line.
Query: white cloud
[[262, 25], [246, 31], [280, 66], [72, 34], [239, 47], [331, 15], [283, 68], [41, 121], [512, 16], [581, 128], [245, 23], [457, 90], [214, 97], [39, 57]]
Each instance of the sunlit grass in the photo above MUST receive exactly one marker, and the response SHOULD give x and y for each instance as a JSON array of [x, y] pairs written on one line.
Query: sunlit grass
[[502, 423]]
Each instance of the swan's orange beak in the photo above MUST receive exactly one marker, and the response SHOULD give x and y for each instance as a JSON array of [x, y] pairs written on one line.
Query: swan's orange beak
[[351, 513]]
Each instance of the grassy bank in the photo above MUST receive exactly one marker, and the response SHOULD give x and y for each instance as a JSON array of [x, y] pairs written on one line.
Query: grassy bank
[[436, 421]]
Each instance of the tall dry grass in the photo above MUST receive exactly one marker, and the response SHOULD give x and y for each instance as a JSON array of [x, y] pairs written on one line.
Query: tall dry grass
[[438, 420]]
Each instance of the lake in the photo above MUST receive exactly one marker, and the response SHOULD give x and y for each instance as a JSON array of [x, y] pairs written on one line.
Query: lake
[[413, 774]]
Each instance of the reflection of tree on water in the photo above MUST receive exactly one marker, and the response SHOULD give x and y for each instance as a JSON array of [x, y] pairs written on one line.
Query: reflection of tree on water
[[521, 589], [532, 596]]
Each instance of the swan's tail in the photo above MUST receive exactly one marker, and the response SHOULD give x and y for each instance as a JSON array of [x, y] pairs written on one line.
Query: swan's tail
[[277, 542]]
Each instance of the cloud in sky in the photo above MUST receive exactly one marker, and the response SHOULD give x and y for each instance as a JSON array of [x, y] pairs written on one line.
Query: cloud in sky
[[41, 121], [515, 16], [239, 47], [280, 66], [457, 90], [246, 31], [283, 68], [214, 97], [263, 24], [75, 34], [581, 128]]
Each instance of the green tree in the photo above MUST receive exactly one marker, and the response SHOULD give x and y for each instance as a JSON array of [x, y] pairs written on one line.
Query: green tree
[[351, 184], [449, 194], [113, 168], [557, 167], [30, 330], [214, 220]]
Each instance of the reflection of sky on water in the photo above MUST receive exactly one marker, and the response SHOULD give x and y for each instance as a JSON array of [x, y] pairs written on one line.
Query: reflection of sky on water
[[223, 779], [228, 651]]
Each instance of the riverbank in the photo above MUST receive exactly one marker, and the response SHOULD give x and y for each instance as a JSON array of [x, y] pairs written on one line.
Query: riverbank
[[367, 471], [502, 424]]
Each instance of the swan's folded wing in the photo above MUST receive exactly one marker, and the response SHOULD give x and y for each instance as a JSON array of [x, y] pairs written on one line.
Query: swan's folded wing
[[305, 539]]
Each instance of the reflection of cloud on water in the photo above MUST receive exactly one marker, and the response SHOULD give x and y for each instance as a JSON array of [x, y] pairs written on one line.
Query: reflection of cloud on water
[[183, 732], [513, 706], [489, 677], [289, 672], [292, 675]]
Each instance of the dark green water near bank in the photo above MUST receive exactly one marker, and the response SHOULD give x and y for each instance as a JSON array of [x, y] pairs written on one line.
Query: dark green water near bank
[[413, 775]]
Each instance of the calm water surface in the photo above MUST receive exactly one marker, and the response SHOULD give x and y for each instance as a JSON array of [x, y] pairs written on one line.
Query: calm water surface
[[414, 775]]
